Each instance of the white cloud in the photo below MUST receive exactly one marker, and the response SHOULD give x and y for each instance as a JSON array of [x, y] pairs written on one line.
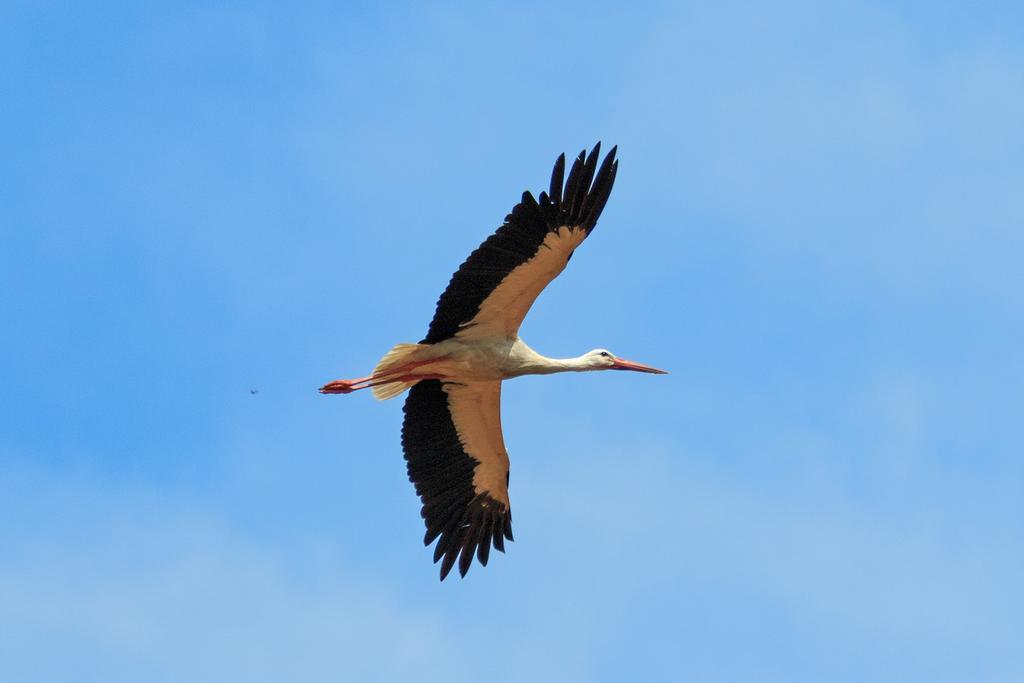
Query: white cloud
[[897, 565], [130, 586]]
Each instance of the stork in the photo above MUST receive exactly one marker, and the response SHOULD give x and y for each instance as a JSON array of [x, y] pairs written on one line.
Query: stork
[[451, 434]]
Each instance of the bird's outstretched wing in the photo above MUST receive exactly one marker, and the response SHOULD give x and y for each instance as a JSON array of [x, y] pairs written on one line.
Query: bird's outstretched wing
[[456, 458], [489, 295]]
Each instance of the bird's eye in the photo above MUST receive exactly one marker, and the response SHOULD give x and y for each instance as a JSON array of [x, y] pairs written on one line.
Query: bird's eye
[[606, 354]]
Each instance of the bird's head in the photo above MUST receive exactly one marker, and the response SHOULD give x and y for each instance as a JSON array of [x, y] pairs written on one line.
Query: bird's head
[[603, 359]]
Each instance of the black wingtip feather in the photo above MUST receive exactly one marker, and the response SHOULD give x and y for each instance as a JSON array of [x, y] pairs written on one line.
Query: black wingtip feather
[[498, 535], [557, 177], [483, 541], [573, 186], [589, 167], [602, 175], [447, 564], [601, 191], [466, 558]]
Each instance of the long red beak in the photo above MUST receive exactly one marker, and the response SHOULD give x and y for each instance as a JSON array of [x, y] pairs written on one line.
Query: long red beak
[[623, 364]]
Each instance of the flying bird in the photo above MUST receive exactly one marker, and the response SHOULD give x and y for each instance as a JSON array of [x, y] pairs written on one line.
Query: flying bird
[[451, 434]]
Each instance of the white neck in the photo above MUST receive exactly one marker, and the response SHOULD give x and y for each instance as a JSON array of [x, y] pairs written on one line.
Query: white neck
[[552, 365], [525, 361]]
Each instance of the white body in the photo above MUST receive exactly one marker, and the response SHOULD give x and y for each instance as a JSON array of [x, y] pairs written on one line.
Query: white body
[[481, 360]]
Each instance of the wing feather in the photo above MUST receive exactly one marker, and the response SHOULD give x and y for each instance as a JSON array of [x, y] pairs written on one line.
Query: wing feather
[[456, 458], [491, 292]]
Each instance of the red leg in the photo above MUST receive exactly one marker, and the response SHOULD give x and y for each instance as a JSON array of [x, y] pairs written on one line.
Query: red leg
[[344, 386], [347, 386]]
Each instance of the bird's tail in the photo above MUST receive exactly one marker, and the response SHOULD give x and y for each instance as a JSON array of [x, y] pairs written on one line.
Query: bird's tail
[[400, 355]]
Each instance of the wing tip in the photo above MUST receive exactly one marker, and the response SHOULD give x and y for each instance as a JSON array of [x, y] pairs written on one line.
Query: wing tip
[[581, 199], [484, 522]]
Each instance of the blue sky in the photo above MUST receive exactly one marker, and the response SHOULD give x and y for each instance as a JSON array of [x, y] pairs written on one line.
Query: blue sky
[[817, 226]]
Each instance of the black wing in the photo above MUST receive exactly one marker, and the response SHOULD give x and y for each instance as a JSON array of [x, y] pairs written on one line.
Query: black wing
[[576, 206], [457, 460]]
